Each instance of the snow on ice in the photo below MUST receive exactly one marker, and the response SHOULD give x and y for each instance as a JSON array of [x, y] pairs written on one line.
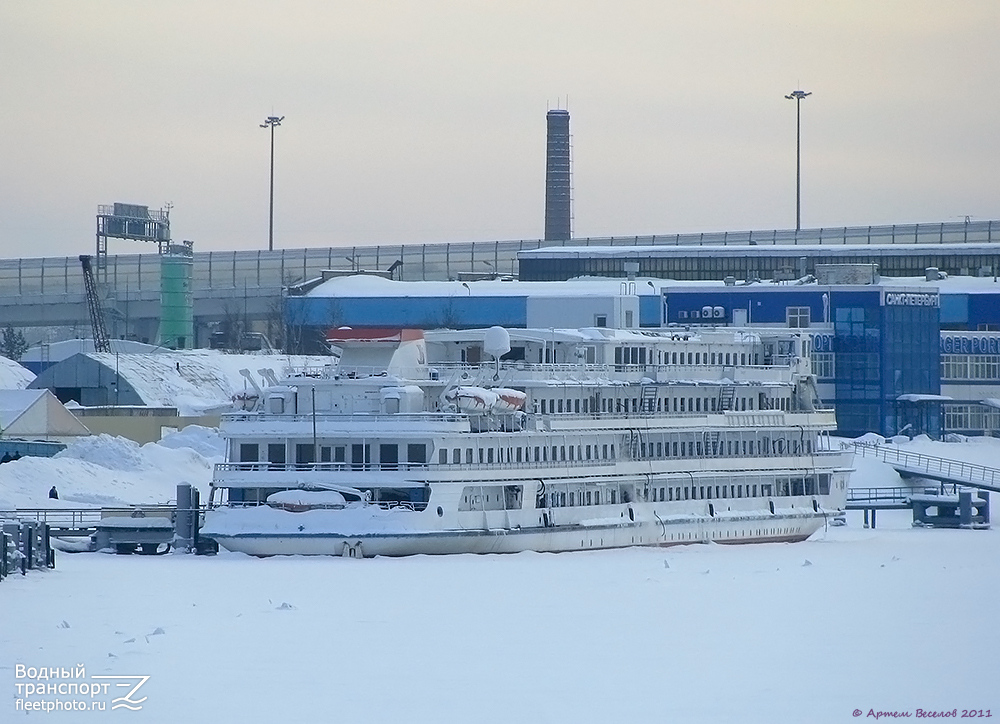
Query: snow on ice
[[884, 620]]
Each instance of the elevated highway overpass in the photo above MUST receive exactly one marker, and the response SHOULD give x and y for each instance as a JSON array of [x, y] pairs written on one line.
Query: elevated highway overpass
[[49, 291]]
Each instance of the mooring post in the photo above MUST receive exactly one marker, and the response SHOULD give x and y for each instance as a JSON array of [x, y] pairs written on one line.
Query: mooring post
[[182, 521], [965, 509]]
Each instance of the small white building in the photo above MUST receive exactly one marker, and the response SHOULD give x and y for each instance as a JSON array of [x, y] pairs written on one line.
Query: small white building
[[37, 415]]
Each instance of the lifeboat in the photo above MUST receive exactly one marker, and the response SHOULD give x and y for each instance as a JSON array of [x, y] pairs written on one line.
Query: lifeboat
[[508, 400], [473, 400]]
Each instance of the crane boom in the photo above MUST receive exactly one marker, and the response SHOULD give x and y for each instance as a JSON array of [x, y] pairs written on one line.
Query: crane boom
[[102, 343]]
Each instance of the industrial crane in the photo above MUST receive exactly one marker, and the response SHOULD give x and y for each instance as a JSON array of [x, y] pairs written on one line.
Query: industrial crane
[[101, 341]]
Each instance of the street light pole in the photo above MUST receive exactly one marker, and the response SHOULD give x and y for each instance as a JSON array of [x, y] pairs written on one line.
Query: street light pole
[[797, 96], [271, 122]]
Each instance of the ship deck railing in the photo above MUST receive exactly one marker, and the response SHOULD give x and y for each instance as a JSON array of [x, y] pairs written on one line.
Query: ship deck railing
[[733, 417], [443, 371], [266, 467]]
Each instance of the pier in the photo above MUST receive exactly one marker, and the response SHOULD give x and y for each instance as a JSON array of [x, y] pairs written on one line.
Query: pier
[[26, 533]]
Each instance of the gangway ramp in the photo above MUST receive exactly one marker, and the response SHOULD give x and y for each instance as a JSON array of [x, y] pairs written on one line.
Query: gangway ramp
[[956, 472], [80, 522]]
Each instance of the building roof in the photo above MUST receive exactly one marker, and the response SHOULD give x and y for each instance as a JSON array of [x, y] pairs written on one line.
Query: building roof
[[762, 248], [13, 376], [362, 285], [192, 381], [36, 414], [57, 351]]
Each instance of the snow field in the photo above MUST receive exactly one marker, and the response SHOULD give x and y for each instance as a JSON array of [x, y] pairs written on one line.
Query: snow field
[[886, 619], [889, 619]]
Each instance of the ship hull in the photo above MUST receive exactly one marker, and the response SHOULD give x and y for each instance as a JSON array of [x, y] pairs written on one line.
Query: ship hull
[[265, 540]]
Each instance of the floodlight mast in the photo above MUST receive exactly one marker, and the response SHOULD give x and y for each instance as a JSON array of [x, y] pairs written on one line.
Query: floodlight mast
[[797, 96], [271, 122]]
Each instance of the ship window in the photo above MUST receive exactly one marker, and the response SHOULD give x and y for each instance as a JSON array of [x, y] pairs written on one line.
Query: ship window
[[537, 457], [597, 497], [519, 453], [482, 456], [249, 452], [442, 456], [324, 454], [468, 456], [588, 497], [754, 491], [543, 407], [276, 453], [560, 405], [571, 498], [361, 455], [489, 455], [570, 452], [562, 452], [587, 451], [659, 449], [686, 491], [456, 456], [338, 453], [305, 453], [612, 452], [614, 496], [388, 456], [576, 405]]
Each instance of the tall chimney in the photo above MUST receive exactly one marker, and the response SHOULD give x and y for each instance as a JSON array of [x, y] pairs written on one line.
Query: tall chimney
[[557, 177]]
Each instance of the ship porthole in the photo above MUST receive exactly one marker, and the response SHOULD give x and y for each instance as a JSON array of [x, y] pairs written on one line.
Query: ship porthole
[[440, 511], [631, 515]]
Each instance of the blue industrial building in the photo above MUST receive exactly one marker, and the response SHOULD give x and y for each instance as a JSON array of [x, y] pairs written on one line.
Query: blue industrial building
[[892, 355], [875, 347]]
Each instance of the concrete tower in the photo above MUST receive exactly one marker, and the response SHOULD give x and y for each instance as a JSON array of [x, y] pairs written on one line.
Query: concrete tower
[[557, 177]]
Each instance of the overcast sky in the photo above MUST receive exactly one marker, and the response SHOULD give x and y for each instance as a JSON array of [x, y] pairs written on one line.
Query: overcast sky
[[424, 121]]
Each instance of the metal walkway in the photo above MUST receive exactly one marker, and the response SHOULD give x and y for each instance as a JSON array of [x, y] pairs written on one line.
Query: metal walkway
[[878, 498], [955, 472], [79, 522]]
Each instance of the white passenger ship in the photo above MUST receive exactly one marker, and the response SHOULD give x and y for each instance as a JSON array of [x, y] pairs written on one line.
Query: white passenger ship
[[576, 440]]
